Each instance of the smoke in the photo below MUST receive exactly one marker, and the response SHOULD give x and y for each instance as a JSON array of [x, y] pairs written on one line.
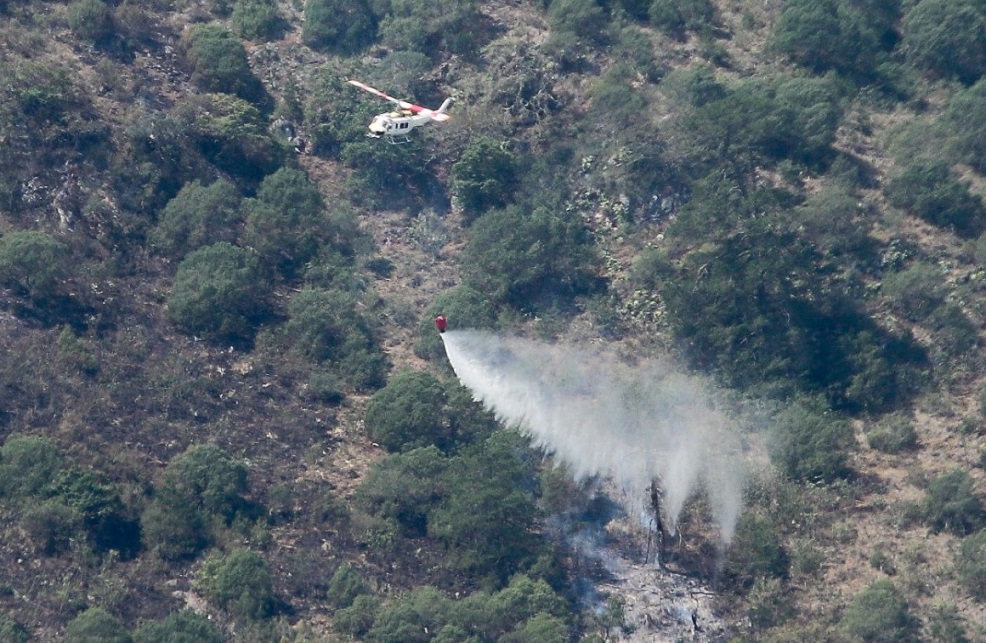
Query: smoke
[[604, 418]]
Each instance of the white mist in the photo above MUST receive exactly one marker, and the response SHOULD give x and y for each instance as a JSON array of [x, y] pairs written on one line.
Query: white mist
[[604, 418]]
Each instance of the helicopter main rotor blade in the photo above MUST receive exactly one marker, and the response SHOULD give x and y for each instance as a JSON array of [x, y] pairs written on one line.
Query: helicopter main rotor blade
[[376, 92]]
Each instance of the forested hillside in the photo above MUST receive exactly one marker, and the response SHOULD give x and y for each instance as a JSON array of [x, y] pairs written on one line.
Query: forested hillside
[[225, 413]]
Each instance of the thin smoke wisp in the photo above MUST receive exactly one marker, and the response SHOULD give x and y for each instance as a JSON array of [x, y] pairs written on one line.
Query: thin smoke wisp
[[604, 418]]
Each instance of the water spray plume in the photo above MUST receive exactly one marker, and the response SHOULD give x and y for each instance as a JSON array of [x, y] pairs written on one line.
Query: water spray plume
[[604, 418]]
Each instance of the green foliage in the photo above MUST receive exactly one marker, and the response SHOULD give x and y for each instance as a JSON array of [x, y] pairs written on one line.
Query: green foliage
[[853, 38], [945, 624], [431, 27], [218, 63], [880, 614], [52, 526], [28, 464], [811, 443], [915, 292], [34, 264], [484, 177], [346, 585], [541, 628], [357, 619], [339, 26], [410, 618], [207, 477], [184, 626], [966, 117], [944, 37], [174, 530], [678, 16], [232, 134], [487, 517], [524, 260], [326, 327], [893, 434], [970, 563], [219, 293], [12, 631], [256, 19], [408, 413], [76, 353], [197, 216], [90, 20], [951, 504], [240, 582], [584, 20], [98, 502], [756, 552], [927, 188], [96, 625], [403, 489]]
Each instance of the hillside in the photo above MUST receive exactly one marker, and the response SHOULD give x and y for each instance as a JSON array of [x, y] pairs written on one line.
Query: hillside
[[220, 387]]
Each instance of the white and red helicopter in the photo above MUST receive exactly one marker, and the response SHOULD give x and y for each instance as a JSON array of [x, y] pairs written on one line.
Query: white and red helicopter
[[400, 122]]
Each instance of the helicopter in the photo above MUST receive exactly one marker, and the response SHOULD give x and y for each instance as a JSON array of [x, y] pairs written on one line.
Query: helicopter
[[400, 122]]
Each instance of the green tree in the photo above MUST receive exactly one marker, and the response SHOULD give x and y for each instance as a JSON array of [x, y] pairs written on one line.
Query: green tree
[[52, 526], [219, 293], [339, 26], [28, 464], [756, 552], [96, 625], [540, 628], [91, 20], [184, 626], [524, 260], [484, 177], [880, 614], [583, 19], [951, 504], [676, 17], [430, 27], [811, 443], [34, 264], [10, 630], [410, 618], [197, 216], [105, 518], [966, 117], [927, 188], [240, 582], [326, 327], [207, 477], [175, 530], [218, 63], [944, 37], [256, 19], [405, 488], [970, 563], [345, 586], [408, 413]]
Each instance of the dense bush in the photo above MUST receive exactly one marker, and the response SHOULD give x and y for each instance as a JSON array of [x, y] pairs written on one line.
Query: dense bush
[[218, 63], [484, 177], [966, 116], [403, 489], [28, 464], [197, 216], [90, 20], [677, 16], [893, 434], [916, 291], [105, 520], [455, 26], [809, 443], [34, 264], [951, 504], [12, 631], [756, 552], [583, 19], [240, 582], [327, 328], [970, 563], [526, 260], [927, 188], [256, 19], [340, 26], [185, 626], [219, 293], [880, 614], [945, 37], [345, 586], [96, 624], [408, 413]]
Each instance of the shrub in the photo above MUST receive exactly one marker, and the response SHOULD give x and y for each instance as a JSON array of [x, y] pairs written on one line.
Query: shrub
[[256, 19], [893, 434], [197, 216], [207, 477], [52, 526], [584, 19], [104, 517], [677, 16], [219, 63], [240, 582], [966, 116], [970, 563], [756, 552], [34, 264], [219, 293], [11, 631], [357, 619], [484, 177], [346, 585], [880, 614], [90, 20], [340, 26], [430, 27], [952, 505], [927, 188], [914, 292], [408, 413], [28, 465], [403, 489], [184, 626], [944, 37], [96, 624], [174, 530], [811, 443]]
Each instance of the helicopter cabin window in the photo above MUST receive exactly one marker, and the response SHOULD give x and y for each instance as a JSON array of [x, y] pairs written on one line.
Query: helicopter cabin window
[[402, 125]]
